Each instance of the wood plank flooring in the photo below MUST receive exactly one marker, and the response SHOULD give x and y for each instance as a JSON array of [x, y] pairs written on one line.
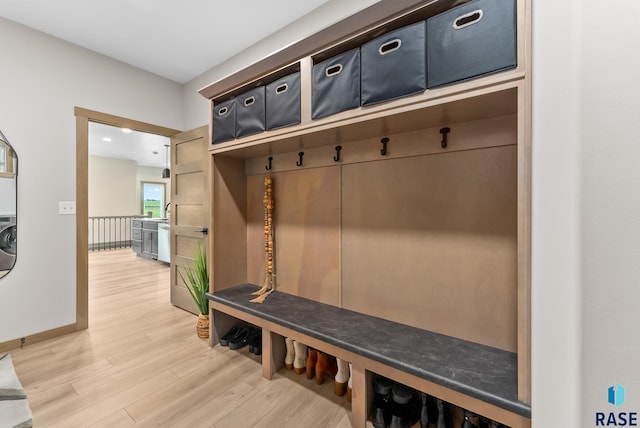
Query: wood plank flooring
[[141, 364]]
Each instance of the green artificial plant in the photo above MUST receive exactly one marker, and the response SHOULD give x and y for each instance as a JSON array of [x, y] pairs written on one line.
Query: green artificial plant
[[197, 282]]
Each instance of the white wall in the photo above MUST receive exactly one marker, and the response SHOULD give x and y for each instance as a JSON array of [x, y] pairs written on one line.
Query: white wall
[[586, 210], [113, 187], [556, 290], [610, 206], [42, 80]]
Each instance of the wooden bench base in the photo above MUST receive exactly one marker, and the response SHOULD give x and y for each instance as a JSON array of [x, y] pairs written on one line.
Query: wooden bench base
[[471, 376]]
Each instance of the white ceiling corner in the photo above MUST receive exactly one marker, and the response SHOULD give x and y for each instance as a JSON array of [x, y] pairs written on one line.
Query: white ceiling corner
[[175, 40]]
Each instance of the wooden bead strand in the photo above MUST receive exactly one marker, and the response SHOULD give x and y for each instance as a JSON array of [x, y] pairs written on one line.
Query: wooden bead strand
[[269, 203]]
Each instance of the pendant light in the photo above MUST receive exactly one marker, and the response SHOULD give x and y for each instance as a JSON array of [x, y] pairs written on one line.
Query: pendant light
[[166, 173]]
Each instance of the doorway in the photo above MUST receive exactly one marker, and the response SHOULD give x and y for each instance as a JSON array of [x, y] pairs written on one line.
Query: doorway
[[83, 117]]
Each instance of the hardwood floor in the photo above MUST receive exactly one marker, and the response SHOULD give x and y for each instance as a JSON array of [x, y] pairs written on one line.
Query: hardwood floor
[[141, 364]]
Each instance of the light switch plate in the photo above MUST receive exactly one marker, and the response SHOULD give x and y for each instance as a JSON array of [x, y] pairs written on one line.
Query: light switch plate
[[66, 207]]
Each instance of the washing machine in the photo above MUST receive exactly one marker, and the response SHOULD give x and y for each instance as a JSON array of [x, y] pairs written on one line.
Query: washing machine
[[8, 242]]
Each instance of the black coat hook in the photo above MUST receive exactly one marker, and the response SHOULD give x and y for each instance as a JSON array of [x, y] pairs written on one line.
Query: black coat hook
[[444, 132], [268, 167], [299, 162], [383, 150], [336, 158]]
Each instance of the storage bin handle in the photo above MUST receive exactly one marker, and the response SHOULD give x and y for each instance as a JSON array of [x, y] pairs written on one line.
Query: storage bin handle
[[223, 111], [390, 46], [333, 70], [249, 101], [282, 89], [468, 19]]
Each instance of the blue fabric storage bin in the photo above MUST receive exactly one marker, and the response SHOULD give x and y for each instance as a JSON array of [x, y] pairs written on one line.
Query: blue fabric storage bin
[[335, 84], [250, 112], [394, 65], [224, 122], [471, 40], [283, 102]]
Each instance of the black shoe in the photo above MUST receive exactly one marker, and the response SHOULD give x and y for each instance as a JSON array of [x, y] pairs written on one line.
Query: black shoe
[[255, 341], [224, 340], [240, 340]]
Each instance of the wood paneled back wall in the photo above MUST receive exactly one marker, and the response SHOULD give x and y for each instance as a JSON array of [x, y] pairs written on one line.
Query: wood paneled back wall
[[427, 237], [307, 232]]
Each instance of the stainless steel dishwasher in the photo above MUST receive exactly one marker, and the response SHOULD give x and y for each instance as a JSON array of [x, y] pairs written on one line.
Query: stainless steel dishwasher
[[164, 242]]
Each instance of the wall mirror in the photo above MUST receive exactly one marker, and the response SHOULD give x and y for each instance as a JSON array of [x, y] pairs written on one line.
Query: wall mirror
[[8, 205]]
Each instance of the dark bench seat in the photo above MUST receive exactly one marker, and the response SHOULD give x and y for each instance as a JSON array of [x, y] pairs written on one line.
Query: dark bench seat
[[478, 371]]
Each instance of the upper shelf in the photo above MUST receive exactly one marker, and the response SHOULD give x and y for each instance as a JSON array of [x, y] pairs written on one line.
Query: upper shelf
[[490, 96]]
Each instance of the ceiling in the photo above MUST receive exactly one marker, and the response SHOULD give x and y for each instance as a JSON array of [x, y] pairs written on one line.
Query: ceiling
[[178, 40], [111, 142]]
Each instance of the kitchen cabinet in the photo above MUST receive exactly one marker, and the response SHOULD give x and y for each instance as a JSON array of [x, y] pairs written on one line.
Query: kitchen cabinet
[[136, 236], [144, 238]]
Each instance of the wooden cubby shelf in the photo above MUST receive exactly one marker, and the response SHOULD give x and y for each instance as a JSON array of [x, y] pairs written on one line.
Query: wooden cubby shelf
[[413, 264], [428, 361]]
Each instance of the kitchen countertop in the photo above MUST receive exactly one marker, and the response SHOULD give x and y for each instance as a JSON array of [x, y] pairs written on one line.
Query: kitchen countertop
[[479, 371]]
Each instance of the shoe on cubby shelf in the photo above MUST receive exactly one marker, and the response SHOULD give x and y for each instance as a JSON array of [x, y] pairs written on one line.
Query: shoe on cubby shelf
[[239, 341], [350, 383], [224, 340], [290, 355], [255, 341], [444, 417], [312, 359], [300, 359], [342, 377], [471, 420], [326, 365]]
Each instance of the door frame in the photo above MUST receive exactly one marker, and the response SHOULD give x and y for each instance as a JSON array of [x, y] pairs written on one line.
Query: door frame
[[83, 117]]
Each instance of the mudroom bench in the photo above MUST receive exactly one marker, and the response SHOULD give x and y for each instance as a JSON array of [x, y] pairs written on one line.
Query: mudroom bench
[[479, 378]]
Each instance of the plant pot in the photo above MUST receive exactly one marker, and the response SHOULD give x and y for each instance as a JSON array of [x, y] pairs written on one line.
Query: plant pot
[[202, 326]]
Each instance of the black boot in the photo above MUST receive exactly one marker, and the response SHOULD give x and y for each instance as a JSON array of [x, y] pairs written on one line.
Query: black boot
[[471, 420], [424, 411], [381, 414], [444, 419]]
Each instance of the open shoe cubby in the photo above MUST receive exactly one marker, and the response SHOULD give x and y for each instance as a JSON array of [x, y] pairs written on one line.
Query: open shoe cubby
[[418, 404], [430, 235]]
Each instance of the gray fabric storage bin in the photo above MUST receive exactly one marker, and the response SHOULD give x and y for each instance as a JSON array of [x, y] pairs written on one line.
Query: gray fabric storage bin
[[224, 122], [393, 65], [470, 40], [250, 112], [336, 84], [283, 102]]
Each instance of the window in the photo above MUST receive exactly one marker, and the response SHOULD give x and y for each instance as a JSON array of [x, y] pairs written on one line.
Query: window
[[153, 198], [3, 158], [7, 160]]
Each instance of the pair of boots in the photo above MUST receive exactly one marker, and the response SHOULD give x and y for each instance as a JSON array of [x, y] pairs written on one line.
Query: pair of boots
[[319, 365]]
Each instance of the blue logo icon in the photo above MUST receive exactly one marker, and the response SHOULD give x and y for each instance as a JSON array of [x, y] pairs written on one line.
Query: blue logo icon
[[616, 395]]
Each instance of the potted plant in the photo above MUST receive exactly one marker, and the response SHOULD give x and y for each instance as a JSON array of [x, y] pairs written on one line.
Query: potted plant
[[197, 284]]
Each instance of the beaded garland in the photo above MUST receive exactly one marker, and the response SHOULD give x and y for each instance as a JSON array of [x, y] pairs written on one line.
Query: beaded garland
[[269, 282]]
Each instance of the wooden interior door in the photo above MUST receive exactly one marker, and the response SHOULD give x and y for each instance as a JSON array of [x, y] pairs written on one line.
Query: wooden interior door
[[189, 207]]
